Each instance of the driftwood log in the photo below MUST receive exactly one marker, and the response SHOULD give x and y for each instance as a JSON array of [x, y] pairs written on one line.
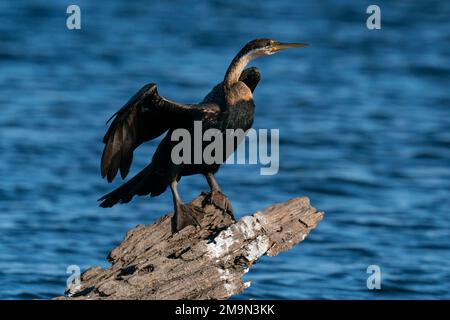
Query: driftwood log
[[205, 262]]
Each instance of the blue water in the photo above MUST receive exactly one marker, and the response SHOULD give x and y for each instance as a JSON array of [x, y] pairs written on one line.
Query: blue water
[[364, 120]]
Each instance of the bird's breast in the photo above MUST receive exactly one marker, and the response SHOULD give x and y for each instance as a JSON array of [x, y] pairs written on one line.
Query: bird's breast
[[240, 115]]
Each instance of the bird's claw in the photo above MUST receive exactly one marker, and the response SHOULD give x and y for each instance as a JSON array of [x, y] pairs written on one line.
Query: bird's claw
[[221, 201], [185, 215]]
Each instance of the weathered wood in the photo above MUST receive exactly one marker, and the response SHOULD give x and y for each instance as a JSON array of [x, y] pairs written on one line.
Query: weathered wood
[[205, 262]]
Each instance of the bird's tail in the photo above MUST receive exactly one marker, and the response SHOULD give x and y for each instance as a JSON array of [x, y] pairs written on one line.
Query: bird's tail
[[145, 182]]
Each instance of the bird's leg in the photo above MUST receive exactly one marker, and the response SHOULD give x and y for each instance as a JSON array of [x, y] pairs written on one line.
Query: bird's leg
[[217, 197], [184, 214]]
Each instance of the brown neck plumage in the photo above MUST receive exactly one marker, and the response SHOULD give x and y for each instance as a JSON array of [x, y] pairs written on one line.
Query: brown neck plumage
[[237, 66], [235, 70]]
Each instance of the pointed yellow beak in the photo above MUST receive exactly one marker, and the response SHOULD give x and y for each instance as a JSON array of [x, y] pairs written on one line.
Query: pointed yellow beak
[[278, 46]]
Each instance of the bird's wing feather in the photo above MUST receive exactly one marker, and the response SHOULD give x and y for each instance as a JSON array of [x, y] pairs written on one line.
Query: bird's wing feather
[[144, 117], [251, 77]]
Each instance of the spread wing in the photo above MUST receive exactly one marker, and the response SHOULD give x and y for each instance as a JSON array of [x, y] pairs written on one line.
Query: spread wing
[[147, 115], [144, 117]]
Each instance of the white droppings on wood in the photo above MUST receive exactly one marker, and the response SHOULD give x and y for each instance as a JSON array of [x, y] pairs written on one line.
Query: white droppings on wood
[[221, 244], [227, 277], [257, 248], [249, 226], [260, 218]]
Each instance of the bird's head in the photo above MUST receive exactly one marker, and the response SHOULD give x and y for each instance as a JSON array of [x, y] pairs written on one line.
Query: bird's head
[[264, 47], [254, 49]]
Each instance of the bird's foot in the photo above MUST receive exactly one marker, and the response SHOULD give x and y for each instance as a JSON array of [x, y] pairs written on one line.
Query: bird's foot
[[186, 215], [221, 201]]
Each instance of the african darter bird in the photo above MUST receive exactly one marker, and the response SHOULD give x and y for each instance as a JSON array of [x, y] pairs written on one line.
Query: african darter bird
[[147, 115]]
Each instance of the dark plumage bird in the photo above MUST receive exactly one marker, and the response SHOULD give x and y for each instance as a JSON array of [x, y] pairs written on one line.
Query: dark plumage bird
[[147, 115]]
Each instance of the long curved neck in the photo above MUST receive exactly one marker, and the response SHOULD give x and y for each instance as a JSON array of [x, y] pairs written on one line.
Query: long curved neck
[[238, 64], [235, 69]]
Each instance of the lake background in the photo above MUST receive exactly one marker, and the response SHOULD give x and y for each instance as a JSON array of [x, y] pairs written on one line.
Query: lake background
[[364, 118]]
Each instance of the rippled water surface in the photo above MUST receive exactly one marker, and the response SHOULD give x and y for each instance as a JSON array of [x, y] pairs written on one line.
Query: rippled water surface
[[364, 120]]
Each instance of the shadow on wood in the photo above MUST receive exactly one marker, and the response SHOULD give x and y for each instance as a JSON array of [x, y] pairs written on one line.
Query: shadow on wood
[[205, 262]]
